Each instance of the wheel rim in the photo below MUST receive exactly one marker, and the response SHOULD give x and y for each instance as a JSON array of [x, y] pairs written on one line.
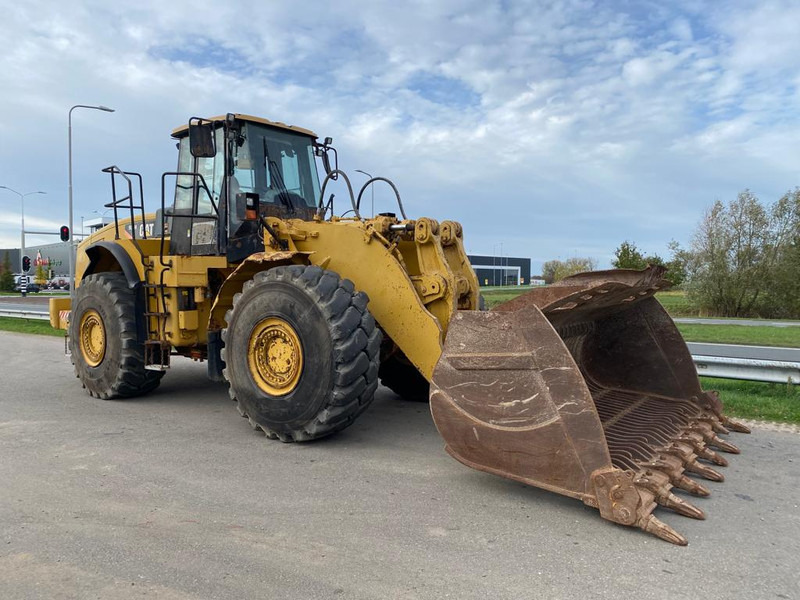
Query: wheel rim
[[92, 338], [275, 356]]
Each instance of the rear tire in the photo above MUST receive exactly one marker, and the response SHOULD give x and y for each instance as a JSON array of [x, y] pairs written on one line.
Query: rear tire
[[301, 352], [104, 344], [400, 376]]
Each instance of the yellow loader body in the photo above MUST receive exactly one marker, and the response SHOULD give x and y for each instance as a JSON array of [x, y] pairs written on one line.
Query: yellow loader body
[[584, 388]]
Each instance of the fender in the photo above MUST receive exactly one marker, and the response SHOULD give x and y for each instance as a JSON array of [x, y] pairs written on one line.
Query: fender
[[95, 253], [260, 261], [111, 251]]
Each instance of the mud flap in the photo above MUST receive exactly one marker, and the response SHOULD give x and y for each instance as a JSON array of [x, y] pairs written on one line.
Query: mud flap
[[585, 389]]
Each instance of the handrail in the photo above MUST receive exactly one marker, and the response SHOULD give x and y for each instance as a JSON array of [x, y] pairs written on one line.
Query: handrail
[[115, 203]]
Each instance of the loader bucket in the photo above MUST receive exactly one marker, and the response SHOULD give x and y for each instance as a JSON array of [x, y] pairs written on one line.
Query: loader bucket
[[585, 388]]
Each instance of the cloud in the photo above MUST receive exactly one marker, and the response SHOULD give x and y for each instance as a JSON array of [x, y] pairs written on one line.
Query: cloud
[[547, 126]]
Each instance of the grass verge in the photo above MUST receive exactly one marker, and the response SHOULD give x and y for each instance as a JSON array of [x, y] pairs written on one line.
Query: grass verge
[[495, 297], [29, 326], [788, 337], [754, 400], [677, 304]]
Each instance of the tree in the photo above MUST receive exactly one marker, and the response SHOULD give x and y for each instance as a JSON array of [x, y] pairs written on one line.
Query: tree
[[782, 296], [677, 265], [628, 257], [6, 274], [741, 255], [556, 270], [549, 271], [41, 276]]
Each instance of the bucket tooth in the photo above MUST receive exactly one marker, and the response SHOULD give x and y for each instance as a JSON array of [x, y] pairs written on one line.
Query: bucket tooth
[[652, 525], [673, 468], [721, 444], [716, 425], [714, 421], [671, 501], [681, 451], [656, 482], [704, 471], [712, 456], [735, 425], [701, 427], [659, 485], [697, 444], [706, 430], [688, 484]]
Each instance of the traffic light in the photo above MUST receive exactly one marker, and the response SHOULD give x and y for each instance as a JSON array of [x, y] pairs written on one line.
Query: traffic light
[[26, 263], [64, 233]]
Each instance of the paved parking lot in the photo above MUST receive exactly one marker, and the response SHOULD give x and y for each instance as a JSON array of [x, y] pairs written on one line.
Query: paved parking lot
[[174, 496]]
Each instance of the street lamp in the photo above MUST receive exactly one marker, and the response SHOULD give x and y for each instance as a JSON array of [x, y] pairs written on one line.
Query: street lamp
[[22, 211], [371, 189], [72, 237]]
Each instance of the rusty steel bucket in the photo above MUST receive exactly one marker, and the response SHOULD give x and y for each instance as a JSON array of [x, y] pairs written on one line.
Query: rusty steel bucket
[[585, 388]]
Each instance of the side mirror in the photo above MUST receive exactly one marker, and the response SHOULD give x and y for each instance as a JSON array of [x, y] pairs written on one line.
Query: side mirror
[[326, 163], [201, 138], [324, 150]]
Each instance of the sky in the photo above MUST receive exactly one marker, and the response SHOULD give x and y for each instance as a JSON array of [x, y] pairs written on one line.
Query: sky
[[548, 129]]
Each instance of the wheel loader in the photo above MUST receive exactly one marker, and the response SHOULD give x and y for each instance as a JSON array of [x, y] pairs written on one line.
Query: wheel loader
[[584, 387]]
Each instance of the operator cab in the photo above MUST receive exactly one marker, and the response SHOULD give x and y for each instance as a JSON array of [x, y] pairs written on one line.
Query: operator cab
[[232, 172]]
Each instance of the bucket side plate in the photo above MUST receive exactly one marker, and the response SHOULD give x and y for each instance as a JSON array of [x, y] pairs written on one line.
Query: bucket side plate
[[508, 398]]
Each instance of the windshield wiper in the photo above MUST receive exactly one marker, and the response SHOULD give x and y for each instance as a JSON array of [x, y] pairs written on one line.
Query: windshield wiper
[[275, 175]]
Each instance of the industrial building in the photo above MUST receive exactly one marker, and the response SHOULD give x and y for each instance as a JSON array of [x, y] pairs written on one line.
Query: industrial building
[[54, 256], [501, 270]]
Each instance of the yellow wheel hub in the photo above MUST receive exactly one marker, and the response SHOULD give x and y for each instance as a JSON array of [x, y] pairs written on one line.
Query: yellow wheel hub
[[93, 338], [275, 356]]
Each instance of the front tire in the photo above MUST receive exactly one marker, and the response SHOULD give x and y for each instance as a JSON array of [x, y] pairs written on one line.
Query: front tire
[[104, 344], [301, 352]]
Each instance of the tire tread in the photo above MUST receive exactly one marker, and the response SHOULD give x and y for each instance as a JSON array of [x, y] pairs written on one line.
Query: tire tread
[[356, 342], [131, 379]]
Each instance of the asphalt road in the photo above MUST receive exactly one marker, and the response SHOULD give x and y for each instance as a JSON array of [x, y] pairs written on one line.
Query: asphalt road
[[32, 302], [753, 352], [174, 496]]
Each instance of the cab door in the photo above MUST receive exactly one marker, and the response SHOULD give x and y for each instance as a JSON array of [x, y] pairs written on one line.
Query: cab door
[[195, 229]]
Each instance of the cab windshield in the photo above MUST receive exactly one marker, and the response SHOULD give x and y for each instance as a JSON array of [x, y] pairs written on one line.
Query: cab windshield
[[279, 166]]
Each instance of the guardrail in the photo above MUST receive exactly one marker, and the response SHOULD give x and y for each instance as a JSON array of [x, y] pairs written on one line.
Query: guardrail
[[722, 367], [24, 314], [771, 371]]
